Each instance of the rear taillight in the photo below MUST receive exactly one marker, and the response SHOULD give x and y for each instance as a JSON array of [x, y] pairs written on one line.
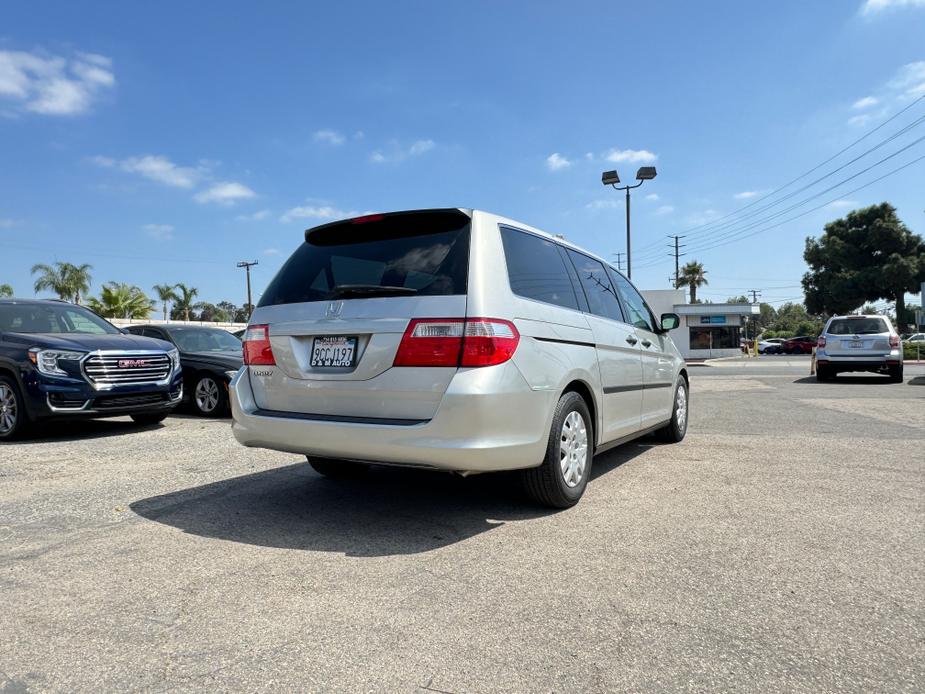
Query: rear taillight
[[457, 342], [894, 340], [257, 350], [820, 343]]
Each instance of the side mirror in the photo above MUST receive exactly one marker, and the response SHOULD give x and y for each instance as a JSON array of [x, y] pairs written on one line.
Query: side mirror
[[670, 321]]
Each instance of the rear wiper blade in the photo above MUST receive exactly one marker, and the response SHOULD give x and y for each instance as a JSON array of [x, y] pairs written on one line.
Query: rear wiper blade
[[341, 290]]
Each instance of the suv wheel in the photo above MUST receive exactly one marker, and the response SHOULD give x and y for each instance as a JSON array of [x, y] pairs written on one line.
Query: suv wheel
[[209, 396], [824, 373], [337, 469], [677, 427], [561, 479], [13, 419], [896, 374]]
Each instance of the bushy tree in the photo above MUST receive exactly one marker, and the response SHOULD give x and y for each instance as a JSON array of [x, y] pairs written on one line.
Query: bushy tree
[[6, 291], [865, 256], [121, 300]]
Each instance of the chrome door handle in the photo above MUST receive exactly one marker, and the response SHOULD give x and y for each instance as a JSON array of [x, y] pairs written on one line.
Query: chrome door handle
[[632, 340], [646, 343]]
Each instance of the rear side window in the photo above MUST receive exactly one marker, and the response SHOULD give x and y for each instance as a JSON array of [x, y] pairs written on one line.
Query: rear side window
[[857, 326], [602, 298], [536, 270], [403, 254], [637, 310]]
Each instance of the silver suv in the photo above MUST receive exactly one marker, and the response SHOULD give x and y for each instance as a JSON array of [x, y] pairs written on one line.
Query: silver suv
[[456, 340], [859, 343]]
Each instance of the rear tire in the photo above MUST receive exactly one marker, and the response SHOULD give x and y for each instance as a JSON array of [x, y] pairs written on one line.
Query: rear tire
[[676, 429], [824, 374], [896, 374], [561, 479], [13, 418], [338, 469], [149, 419], [210, 396]]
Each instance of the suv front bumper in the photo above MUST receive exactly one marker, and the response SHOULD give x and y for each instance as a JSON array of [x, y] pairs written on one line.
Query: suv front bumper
[[47, 397]]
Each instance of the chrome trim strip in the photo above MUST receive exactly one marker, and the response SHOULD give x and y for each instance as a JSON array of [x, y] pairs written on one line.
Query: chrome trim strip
[[64, 409]]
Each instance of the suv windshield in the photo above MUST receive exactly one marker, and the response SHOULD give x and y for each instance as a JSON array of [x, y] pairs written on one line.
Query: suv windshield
[[205, 340], [857, 326], [52, 318], [403, 254]]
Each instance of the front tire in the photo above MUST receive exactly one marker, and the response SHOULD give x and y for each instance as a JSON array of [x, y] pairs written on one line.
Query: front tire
[[676, 429], [561, 479], [210, 397], [13, 419], [337, 469], [149, 419]]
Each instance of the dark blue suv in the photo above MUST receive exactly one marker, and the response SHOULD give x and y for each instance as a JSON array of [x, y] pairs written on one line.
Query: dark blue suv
[[61, 360]]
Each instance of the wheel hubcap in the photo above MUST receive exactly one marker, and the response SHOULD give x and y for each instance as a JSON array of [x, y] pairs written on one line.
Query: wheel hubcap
[[680, 408], [206, 394], [573, 449], [7, 409]]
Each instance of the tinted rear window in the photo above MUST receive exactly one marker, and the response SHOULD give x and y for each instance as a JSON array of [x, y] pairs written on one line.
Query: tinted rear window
[[857, 326], [424, 253], [536, 269]]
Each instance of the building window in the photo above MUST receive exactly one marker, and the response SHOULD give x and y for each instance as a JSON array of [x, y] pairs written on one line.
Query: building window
[[715, 338]]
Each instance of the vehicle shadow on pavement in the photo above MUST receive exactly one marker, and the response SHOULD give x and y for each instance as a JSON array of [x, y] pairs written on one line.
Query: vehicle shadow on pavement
[[390, 511], [917, 381], [79, 430], [871, 379]]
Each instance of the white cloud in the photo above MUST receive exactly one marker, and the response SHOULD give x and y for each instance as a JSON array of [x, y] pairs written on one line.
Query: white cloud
[[664, 209], [860, 119], [602, 204], [874, 6], [54, 85], [161, 232], [321, 212], [271, 251], [840, 204], [631, 156], [556, 162], [225, 193], [254, 216], [866, 102], [652, 196], [910, 80], [330, 137], [396, 153], [745, 194], [158, 168]]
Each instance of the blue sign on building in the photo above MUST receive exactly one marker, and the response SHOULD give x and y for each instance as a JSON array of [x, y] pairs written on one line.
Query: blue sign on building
[[712, 320]]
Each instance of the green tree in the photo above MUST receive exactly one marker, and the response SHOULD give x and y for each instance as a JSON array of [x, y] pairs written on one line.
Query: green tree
[[741, 299], [210, 312], [121, 300], [767, 316], [694, 276], [66, 280], [6, 291], [184, 303], [865, 256], [165, 293]]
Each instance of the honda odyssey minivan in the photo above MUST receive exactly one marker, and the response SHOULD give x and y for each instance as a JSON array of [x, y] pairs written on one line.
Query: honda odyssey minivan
[[457, 340]]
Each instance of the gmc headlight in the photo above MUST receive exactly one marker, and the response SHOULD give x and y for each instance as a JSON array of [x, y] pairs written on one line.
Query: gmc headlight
[[174, 360], [46, 360]]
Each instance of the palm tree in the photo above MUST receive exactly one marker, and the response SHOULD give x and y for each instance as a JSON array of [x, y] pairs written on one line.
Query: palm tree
[[165, 292], [184, 301], [6, 291], [66, 280], [694, 276], [120, 300]]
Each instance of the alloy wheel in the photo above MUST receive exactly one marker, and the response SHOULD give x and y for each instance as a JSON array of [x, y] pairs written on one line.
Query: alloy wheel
[[8, 409], [680, 408], [573, 449], [207, 395]]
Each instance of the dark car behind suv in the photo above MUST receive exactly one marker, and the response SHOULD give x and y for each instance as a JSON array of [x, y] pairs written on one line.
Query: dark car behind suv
[[59, 360]]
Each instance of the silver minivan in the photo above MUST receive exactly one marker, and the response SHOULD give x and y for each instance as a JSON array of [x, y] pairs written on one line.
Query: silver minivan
[[457, 340]]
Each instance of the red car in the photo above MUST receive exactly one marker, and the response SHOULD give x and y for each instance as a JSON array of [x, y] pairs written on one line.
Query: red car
[[798, 345]]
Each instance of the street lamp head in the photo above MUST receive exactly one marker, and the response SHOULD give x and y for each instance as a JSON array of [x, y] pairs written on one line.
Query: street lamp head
[[645, 173], [609, 178]]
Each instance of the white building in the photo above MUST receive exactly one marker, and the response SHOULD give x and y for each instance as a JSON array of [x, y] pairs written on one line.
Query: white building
[[706, 331]]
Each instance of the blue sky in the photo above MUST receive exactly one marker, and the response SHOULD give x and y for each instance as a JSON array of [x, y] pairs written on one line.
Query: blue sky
[[164, 142]]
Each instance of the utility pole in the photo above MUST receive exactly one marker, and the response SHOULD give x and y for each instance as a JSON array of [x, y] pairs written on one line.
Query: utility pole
[[247, 268], [677, 254], [620, 261], [755, 294]]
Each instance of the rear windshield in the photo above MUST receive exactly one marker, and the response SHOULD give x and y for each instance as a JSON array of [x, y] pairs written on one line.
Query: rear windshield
[[857, 326], [52, 318], [404, 254], [205, 340]]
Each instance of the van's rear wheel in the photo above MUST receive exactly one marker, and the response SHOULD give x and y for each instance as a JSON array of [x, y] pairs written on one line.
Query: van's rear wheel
[[561, 480], [337, 469]]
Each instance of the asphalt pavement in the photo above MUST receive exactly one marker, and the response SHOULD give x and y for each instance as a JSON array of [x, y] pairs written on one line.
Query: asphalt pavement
[[779, 548]]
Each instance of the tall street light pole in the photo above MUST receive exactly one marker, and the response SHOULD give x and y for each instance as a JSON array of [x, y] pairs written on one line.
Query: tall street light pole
[[247, 267], [610, 178]]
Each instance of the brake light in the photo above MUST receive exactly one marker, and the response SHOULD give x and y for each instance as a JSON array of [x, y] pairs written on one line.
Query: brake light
[[894, 340], [820, 343], [457, 342], [257, 350], [366, 218]]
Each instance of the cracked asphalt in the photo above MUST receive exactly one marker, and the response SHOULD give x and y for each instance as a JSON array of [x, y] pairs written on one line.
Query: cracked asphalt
[[779, 548]]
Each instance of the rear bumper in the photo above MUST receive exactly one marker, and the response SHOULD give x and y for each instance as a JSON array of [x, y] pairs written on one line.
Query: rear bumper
[[859, 363], [489, 419]]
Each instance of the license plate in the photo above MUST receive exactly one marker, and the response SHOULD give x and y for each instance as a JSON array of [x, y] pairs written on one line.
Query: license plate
[[856, 344], [333, 351]]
